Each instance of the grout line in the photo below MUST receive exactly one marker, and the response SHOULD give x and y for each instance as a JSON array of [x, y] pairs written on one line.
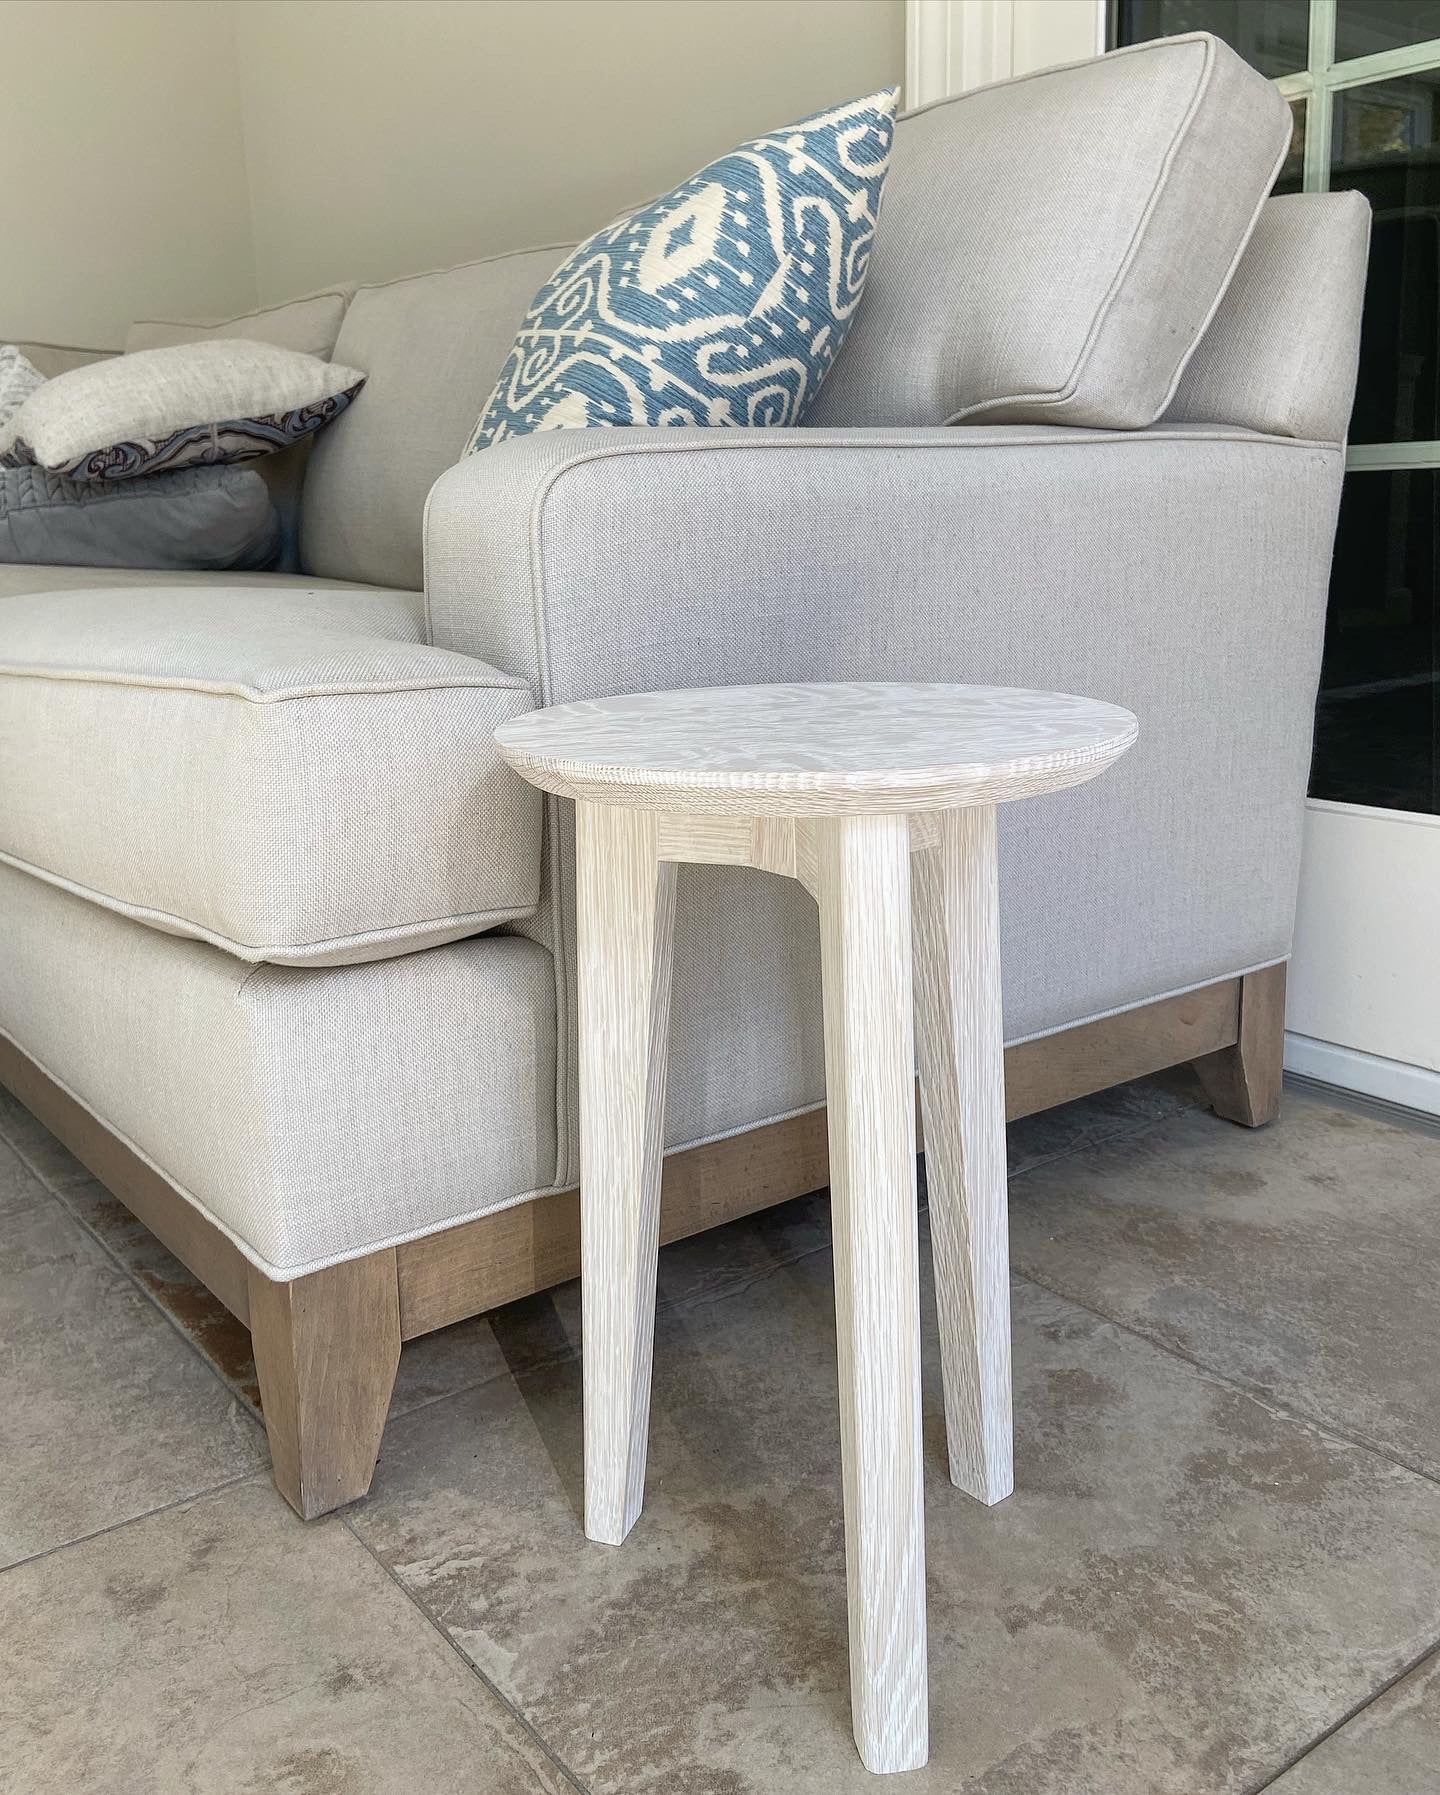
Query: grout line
[[148, 1514], [469, 1663], [57, 1195], [1255, 1392], [1359, 1708]]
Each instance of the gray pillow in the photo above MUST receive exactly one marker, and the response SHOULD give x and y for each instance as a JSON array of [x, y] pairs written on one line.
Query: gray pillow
[[196, 519]]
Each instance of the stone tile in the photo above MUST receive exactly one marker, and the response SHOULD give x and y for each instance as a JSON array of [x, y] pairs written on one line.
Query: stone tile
[[727, 1260], [434, 1366], [1391, 1748], [226, 1646], [19, 1188], [104, 1412], [1302, 1259], [700, 1269], [437, 1365], [1053, 1133], [35, 1144], [201, 1316], [1185, 1589]]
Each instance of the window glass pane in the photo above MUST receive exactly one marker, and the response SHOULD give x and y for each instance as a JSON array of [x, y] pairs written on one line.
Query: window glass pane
[[1370, 27], [1271, 34], [1292, 170], [1377, 729], [1384, 144]]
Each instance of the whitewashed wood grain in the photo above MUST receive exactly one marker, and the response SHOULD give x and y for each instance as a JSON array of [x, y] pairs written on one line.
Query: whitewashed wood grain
[[836, 786], [625, 904], [962, 1100], [805, 750], [859, 869]]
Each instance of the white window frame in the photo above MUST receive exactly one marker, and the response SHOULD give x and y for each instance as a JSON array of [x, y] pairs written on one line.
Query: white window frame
[[954, 45]]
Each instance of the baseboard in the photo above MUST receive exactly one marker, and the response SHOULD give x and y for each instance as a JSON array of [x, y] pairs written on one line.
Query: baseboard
[[1347, 1068]]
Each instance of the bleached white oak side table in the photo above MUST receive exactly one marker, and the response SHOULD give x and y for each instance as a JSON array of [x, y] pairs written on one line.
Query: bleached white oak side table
[[880, 799]]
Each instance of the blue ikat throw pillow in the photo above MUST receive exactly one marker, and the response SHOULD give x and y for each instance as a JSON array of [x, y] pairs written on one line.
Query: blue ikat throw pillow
[[725, 302]]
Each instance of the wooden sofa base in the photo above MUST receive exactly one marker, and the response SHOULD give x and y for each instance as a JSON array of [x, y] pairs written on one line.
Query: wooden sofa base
[[327, 1345]]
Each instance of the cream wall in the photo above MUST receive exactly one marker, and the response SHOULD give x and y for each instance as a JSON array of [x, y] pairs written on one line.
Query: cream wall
[[190, 158], [388, 136], [124, 189]]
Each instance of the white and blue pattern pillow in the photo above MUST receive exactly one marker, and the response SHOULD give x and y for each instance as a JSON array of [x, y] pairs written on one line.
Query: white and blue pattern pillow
[[725, 302]]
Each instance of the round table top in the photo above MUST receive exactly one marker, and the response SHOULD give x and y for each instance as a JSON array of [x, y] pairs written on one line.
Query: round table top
[[817, 750]]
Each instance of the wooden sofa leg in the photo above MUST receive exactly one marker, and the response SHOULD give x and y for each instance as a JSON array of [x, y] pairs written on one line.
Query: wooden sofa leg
[[1243, 1081], [326, 1350]]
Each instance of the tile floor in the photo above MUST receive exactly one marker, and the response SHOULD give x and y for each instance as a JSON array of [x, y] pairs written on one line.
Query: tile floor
[[1220, 1571]]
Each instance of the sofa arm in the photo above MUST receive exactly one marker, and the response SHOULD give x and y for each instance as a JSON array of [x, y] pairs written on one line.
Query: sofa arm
[[595, 562], [1179, 571]]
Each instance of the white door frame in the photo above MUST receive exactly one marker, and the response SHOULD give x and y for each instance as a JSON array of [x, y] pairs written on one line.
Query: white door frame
[[954, 45]]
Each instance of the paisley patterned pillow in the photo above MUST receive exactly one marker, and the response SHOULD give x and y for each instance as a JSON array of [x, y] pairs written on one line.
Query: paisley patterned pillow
[[725, 302]]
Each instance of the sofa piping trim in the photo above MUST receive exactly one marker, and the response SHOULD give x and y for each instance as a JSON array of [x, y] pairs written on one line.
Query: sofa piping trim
[[473, 922], [502, 682], [288, 1274]]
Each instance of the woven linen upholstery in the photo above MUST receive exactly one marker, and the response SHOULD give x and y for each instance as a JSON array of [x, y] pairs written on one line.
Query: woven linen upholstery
[[1060, 559], [291, 775], [432, 347], [310, 325], [59, 358], [1052, 247], [1280, 354], [21, 577], [312, 1115]]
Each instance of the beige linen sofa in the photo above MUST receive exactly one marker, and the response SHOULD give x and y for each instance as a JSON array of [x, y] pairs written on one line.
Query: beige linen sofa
[[287, 952]]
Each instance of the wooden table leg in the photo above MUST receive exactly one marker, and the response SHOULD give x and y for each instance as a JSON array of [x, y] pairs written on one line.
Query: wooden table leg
[[962, 1098], [859, 871], [625, 916]]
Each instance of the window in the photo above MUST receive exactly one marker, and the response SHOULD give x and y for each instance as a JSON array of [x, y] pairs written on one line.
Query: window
[[1363, 81]]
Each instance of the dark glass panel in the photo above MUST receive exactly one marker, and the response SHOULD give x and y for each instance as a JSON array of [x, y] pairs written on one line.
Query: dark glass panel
[[1370, 27], [1377, 729], [1385, 145], [1273, 35], [1292, 171]]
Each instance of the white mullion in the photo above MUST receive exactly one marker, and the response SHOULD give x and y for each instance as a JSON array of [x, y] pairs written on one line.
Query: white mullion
[[1412, 59], [1392, 457], [1318, 110]]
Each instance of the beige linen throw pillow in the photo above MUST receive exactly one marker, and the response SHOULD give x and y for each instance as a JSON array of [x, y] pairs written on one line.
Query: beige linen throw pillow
[[213, 402]]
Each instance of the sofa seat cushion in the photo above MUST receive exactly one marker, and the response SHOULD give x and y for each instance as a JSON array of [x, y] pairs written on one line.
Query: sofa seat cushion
[[293, 777]]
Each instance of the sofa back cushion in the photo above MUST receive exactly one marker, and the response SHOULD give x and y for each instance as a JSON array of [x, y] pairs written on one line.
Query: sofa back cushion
[[51, 359], [1280, 355], [309, 325], [432, 347], [1051, 248]]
